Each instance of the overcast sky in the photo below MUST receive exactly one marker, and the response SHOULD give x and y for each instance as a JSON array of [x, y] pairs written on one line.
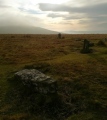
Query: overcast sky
[[58, 15]]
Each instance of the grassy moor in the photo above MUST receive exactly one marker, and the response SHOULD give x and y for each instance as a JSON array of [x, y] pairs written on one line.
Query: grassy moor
[[81, 77]]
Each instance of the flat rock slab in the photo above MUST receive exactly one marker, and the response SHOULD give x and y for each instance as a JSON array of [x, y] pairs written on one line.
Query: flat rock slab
[[41, 82]]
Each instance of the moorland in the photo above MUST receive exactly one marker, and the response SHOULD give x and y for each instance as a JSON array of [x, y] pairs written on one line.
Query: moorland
[[81, 78]]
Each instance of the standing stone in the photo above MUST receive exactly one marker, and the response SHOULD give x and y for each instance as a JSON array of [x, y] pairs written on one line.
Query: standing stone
[[86, 46], [105, 40], [59, 35], [101, 43]]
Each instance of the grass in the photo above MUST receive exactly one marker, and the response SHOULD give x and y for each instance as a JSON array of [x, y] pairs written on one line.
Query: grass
[[82, 78]]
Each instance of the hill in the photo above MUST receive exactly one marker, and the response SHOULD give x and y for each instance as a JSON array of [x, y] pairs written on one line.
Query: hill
[[86, 32], [24, 30]]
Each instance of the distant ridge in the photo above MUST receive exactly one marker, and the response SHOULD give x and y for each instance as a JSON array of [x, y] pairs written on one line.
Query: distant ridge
[[86, 32], [24, 30]]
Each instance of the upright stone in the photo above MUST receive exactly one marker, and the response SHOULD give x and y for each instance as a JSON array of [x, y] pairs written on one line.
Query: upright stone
[[86, 46], [59, 35]]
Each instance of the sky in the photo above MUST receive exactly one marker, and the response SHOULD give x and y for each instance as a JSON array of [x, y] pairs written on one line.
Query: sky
[[57, 15]]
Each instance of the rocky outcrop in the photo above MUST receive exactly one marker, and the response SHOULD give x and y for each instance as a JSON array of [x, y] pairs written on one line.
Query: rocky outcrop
[[40, 82]]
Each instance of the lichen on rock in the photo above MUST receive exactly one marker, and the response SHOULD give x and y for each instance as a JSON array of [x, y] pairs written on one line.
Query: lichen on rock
[[41, 82]]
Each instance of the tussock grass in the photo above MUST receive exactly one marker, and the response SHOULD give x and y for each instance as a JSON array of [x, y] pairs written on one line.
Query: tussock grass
[[82, 78]]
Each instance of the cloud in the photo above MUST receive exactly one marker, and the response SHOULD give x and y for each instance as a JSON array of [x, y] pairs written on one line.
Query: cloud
[[20, 20], [1, 2], [3, 5], [66, 16], [54, 7], [30, 11], [16, 14], [95, 23], [72, 14], [34, 12], [94, 9], [92, 16], [54, 15], [15, 17]]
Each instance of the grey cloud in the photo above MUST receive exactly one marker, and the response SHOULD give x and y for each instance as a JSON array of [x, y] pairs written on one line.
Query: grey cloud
[[53, 7], [95, 23], [1, 2], [66, 22], [90, 2], [55, 15], [5, 6], [91, 15], [19, 19], [31, 11], [93, 9], [95, 20], [12, 20], [63, 22], [21, 9], [34, 12], [99, 18], [72, 17], [65, 16]]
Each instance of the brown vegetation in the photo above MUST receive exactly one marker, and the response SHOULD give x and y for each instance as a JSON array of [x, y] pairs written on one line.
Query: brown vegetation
[[82, 78]]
